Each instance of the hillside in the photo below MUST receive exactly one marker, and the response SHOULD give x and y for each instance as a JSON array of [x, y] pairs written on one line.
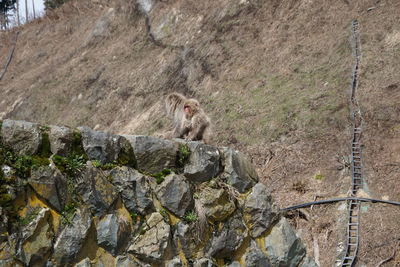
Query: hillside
[[273, 75]]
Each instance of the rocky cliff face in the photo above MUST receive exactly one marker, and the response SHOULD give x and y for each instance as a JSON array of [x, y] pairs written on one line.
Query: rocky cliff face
[[77, 197]]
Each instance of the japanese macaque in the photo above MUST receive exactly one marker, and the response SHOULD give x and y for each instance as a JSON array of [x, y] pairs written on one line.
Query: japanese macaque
[[189, 119]]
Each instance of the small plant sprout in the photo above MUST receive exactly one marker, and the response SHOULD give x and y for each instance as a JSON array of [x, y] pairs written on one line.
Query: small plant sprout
[[190, 216]]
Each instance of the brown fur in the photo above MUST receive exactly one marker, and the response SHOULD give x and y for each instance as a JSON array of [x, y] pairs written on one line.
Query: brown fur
[[193, 125]]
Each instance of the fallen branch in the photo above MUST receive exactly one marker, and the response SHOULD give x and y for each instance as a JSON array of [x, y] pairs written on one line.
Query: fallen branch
[[10, 55], [390, 258]]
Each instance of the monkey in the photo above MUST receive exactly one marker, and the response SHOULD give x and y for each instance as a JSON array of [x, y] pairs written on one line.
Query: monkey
[[189, 119]]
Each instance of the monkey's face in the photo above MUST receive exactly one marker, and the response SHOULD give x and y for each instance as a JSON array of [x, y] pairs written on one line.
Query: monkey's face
[[187, 109], [190, 107]]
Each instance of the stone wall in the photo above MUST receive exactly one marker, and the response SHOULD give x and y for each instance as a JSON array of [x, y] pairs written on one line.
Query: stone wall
[[78, 197]]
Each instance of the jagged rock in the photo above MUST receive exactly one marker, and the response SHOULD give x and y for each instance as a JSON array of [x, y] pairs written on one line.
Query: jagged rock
[[153, 154], [145, 5], [185, 237], [127, 261], [283, 246], [238, 171], [50, 184], [255, 257], [308, 262], [61, 140], [235, 264], [36, 240], [134, 188], [204, 262], [23, 137], [259, 210], [83, 263], [229, 239], [152, 245], [70, 240], [175, 262], [204, 162], [175, 195], [96, 191], [106, 147], [112, 233], [217, 204]]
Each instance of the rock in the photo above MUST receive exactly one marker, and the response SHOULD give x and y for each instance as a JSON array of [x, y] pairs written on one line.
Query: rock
[[175, 262], [127, 261], [204, 262], [153, 154], [95, 190], [36, 240], [152, 245], [145, 5], [204, 162], [23, 137], [175, 195], [107, 148], [283, 246], [228, 240], [185, 236], [235, 264], [83, 263], [50, 184], [112, 233], [134, 188], [217, 204], [255, 257], [238, 171], [259, 210], [70, 240], [61, 140], [308, 262]]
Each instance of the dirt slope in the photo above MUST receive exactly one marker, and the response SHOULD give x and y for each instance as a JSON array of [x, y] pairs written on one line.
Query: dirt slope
[[273, 75]]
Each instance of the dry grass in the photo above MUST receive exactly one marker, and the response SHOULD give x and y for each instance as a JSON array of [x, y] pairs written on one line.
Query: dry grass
[[273, 76]]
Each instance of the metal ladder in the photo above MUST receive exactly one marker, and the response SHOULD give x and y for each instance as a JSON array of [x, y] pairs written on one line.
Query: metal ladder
[[353, 225]]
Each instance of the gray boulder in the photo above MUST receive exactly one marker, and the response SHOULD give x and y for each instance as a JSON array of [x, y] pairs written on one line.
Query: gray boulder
[[175, 195], [217, 204], [106, 147], [153, 243], [254, 257], [225, 242], [96, 191], [153, 154], [23, 137], [204, 162], [128, 261], [204, 262], [175, 262], [259, 211], [112, 233], [84, 263], [238, 171], [284, 246], [70, 240], [50, 184], [61, 140], [134, 188], [308, 262], [36, 240]]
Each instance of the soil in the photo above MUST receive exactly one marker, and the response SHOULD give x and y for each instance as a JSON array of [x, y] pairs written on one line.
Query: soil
[[273, 75]]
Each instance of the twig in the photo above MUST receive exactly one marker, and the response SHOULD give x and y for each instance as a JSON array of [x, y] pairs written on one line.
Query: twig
[[9, 56], [391, 257]]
